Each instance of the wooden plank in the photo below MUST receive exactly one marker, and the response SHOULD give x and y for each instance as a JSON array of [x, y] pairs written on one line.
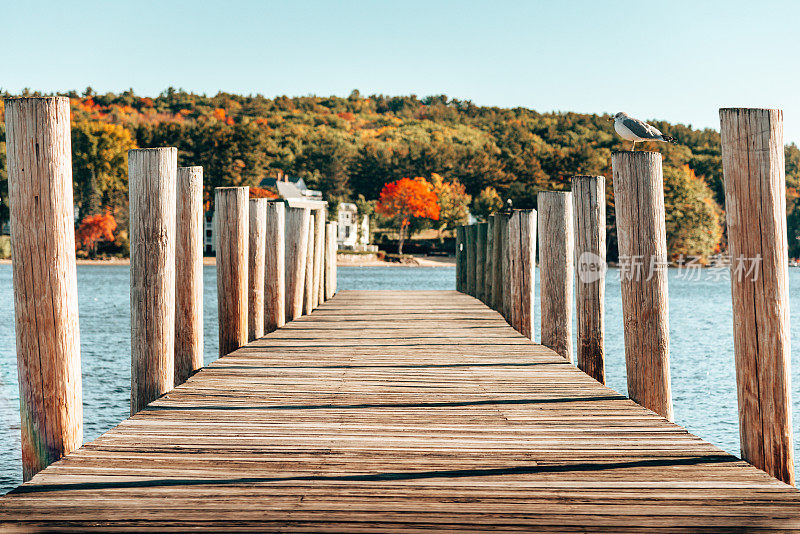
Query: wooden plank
[[397, 411]]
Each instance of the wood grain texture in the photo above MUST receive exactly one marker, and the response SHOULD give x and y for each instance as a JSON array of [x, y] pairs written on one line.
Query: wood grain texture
[[319, 254], [399, 411], [472, 251], [331, 248], [256, 267], [498, 242], [506, 268], [38, 149], [308, 288], [589, 212], [232, 214], [188, 273], [152, 203], [522, 265], [297, 223], [641, 232], [275, 267], [755, 201], [556, 250], [460, 257], [482, 230], [488, 270]]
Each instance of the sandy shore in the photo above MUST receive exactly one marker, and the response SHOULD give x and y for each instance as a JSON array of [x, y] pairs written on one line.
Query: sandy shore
[[348, 260]]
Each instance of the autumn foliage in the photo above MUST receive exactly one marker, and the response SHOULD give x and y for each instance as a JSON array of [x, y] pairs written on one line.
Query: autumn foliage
[[260, 192], [94, 229], [405, 199]]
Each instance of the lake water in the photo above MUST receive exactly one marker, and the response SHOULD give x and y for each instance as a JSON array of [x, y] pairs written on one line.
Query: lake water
[[701, 340]]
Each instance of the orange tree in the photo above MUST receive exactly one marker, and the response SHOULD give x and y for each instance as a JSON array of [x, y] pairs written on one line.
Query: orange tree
[[93, 229], [406, 199]]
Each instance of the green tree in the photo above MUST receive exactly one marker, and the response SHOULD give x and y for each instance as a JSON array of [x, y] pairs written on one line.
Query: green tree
[[453, 204], [693, 218], [486, 203]]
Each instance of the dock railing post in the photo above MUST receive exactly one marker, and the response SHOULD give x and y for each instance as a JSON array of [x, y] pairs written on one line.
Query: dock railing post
[[188, 273], [589, 211], [498, 245], [308, 286], [506, 265], [297, 224], [153, 204], [257, 262], [480, 260], [331, 246], [459, 258], [45, 281], [753, 163], [488, 270], [275, 266], [522, 262], [639, 197], [555, 270], [319, 254], [233, 217], [472, 238]]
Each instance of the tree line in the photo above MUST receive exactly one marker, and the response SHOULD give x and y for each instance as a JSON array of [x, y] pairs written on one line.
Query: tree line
[[350, 148]]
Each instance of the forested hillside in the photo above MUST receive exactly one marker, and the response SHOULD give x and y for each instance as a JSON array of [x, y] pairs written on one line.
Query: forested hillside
[[352, 146]]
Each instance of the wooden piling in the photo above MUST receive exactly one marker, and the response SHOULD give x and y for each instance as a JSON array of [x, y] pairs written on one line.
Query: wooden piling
[[319, 254], [755, 201], [522, 263], [188, 273], [153, 203], [459, 258], [480, 260], [472, 238], [488, 270], [498, 246], [556, 270], [506, 265], [639, 202], [589, 212], [297, 223], [45, 284], [331, 247], [256, 281], [275, 267], [232, 216], [308, 288]]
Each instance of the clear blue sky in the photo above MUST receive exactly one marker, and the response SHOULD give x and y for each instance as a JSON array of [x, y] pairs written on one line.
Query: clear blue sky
[[673, 60]]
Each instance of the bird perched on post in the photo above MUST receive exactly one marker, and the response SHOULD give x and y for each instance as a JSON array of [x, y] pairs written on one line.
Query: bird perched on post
[[635, 130]]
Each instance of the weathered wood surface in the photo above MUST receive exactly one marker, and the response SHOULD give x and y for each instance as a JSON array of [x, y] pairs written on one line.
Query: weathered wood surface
[[488, 270], [232, 220], [522, 265], [641, 232], [189, 271], [297, 221], [275, 267], [472, 241], [152, 202], [589, 212], [556, 270], [45, 281], [331, 249], [460, 257], [409, 411], [308, 287], [498, 247], [319, 257], [755, 201], [482, 230], [256, 267]]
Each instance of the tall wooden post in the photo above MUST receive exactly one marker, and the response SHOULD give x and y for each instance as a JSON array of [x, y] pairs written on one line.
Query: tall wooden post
[[275, 267], [472, 241], [506, 265], [498, 246], [639, 196], [257, 262], [297, 223], [488, 270], [589, 211], [331, 247], [308, 288], [45, 283], [555, 270], [319, 254], [233, 216], [459, 258], [755, 201], [189, 273], [480, 260], [153, 203], [522, 263]]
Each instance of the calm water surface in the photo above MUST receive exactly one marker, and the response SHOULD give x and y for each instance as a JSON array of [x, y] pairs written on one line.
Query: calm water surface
[[703, 375]]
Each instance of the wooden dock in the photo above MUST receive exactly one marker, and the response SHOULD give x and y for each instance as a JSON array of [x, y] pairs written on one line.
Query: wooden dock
[[399, 411]]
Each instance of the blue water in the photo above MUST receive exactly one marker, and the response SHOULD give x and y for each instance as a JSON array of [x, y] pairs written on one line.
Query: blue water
[[701, 340]]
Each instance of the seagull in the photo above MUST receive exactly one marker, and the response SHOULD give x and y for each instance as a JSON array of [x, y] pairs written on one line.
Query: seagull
[[635, 130]]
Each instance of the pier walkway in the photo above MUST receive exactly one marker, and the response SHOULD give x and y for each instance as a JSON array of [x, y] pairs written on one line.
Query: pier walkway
[[399, 411]]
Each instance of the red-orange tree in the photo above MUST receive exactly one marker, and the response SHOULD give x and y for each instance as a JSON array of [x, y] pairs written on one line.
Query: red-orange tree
[[405, 199], [93, 229]]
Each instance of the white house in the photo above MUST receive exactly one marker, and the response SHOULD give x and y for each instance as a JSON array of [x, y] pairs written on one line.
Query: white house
[[347, 236]]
